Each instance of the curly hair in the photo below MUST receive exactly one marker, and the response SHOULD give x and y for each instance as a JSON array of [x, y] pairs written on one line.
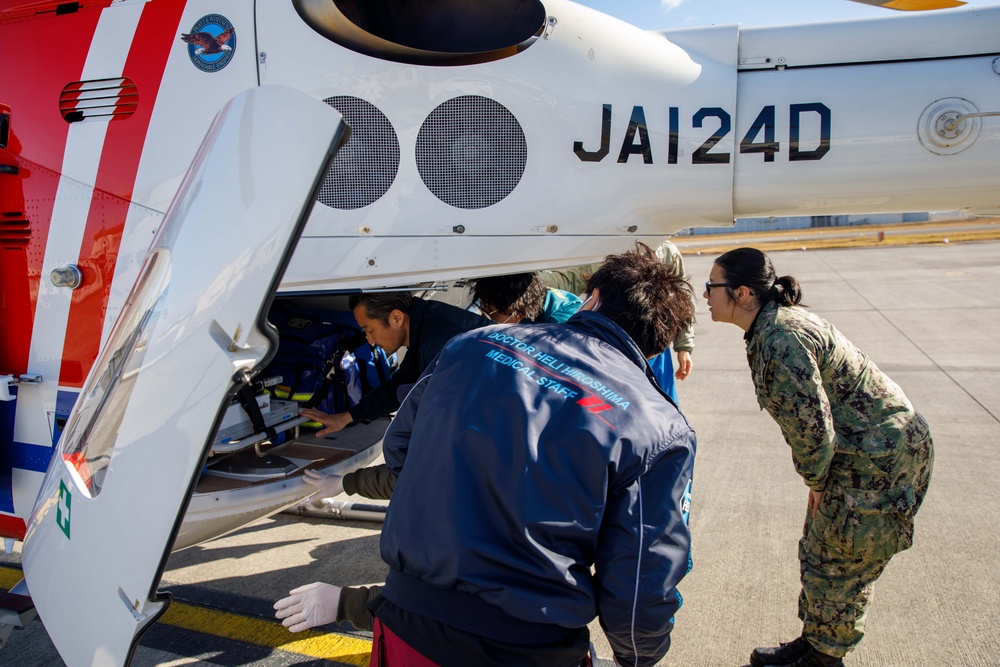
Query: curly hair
[[520, 295], [650, 301]]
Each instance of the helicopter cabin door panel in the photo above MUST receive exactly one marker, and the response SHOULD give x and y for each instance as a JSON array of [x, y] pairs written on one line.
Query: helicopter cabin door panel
[[189, 335]]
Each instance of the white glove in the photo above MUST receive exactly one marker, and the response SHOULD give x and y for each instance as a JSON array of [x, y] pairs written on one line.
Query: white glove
[[329, 485], [308, 606]]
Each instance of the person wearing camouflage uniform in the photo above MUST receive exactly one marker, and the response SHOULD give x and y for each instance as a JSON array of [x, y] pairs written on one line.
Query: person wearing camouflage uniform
[[574, 281], [864, 452]]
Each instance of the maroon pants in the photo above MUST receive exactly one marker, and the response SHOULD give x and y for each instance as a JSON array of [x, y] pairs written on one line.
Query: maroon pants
[[388, 650]]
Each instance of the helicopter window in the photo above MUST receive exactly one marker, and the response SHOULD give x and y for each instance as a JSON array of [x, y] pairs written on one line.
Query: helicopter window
[[92, 430], [442, 32]]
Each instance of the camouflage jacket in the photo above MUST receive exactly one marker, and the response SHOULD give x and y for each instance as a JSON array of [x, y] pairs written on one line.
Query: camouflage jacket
[[846, 422]]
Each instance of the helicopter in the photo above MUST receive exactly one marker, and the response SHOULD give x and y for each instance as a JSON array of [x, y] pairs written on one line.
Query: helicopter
[[177, 172]]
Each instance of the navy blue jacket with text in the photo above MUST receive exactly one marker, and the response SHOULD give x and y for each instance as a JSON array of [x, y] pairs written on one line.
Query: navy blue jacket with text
[[532, 453]]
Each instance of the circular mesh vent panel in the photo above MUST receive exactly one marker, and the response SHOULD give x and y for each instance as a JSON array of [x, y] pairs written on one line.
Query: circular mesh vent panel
[[471, 152], [366, 165]]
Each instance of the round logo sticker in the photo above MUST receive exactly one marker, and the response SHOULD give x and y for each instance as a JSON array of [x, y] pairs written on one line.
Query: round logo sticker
[[211, 42]]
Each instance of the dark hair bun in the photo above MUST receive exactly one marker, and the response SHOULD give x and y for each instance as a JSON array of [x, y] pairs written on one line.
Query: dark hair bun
[[786, 291]]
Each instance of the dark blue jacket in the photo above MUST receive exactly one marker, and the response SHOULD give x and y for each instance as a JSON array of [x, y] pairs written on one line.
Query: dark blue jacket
[[533, 452]]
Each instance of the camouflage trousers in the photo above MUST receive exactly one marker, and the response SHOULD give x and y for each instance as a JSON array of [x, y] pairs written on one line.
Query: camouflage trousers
[[842, 552]]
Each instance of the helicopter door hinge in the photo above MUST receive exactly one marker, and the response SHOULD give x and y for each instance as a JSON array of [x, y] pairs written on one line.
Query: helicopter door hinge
[[7, 380]]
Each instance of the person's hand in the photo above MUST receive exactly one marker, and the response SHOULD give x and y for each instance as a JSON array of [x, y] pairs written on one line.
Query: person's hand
[[333, 423], [815, 498], [308, 606], [328, 485], [684, 364]]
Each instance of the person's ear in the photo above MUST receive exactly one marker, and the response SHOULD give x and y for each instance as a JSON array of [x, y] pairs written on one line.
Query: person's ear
[[596, 294], [396, 318]]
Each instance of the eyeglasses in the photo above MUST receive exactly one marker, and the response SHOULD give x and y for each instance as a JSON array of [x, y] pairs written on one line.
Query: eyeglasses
[[709, 285], [493, 312]]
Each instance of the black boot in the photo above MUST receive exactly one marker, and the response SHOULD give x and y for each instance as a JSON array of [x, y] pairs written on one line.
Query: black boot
[[814, 658], [784, 654]]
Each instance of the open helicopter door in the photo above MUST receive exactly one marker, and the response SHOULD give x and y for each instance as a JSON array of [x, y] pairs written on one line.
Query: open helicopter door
[[113, 498]]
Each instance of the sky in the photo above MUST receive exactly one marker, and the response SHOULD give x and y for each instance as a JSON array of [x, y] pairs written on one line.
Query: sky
[[662, 14]]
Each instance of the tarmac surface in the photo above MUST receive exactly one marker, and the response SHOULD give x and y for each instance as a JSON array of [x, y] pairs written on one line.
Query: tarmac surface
[[851, 236], [927, 314]]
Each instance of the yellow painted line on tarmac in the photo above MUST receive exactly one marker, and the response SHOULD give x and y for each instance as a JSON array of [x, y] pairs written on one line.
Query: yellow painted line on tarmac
[[9, 577], [915, 227], [861, 240], [312, 643], [271, 634]]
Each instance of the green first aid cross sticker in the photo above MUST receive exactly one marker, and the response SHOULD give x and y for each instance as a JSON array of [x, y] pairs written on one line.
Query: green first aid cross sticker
[[62, 508]]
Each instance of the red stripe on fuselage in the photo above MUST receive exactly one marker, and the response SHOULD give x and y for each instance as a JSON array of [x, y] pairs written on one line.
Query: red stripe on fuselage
[[30, 85], [12, 526], [12, 11], [155, 35]]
